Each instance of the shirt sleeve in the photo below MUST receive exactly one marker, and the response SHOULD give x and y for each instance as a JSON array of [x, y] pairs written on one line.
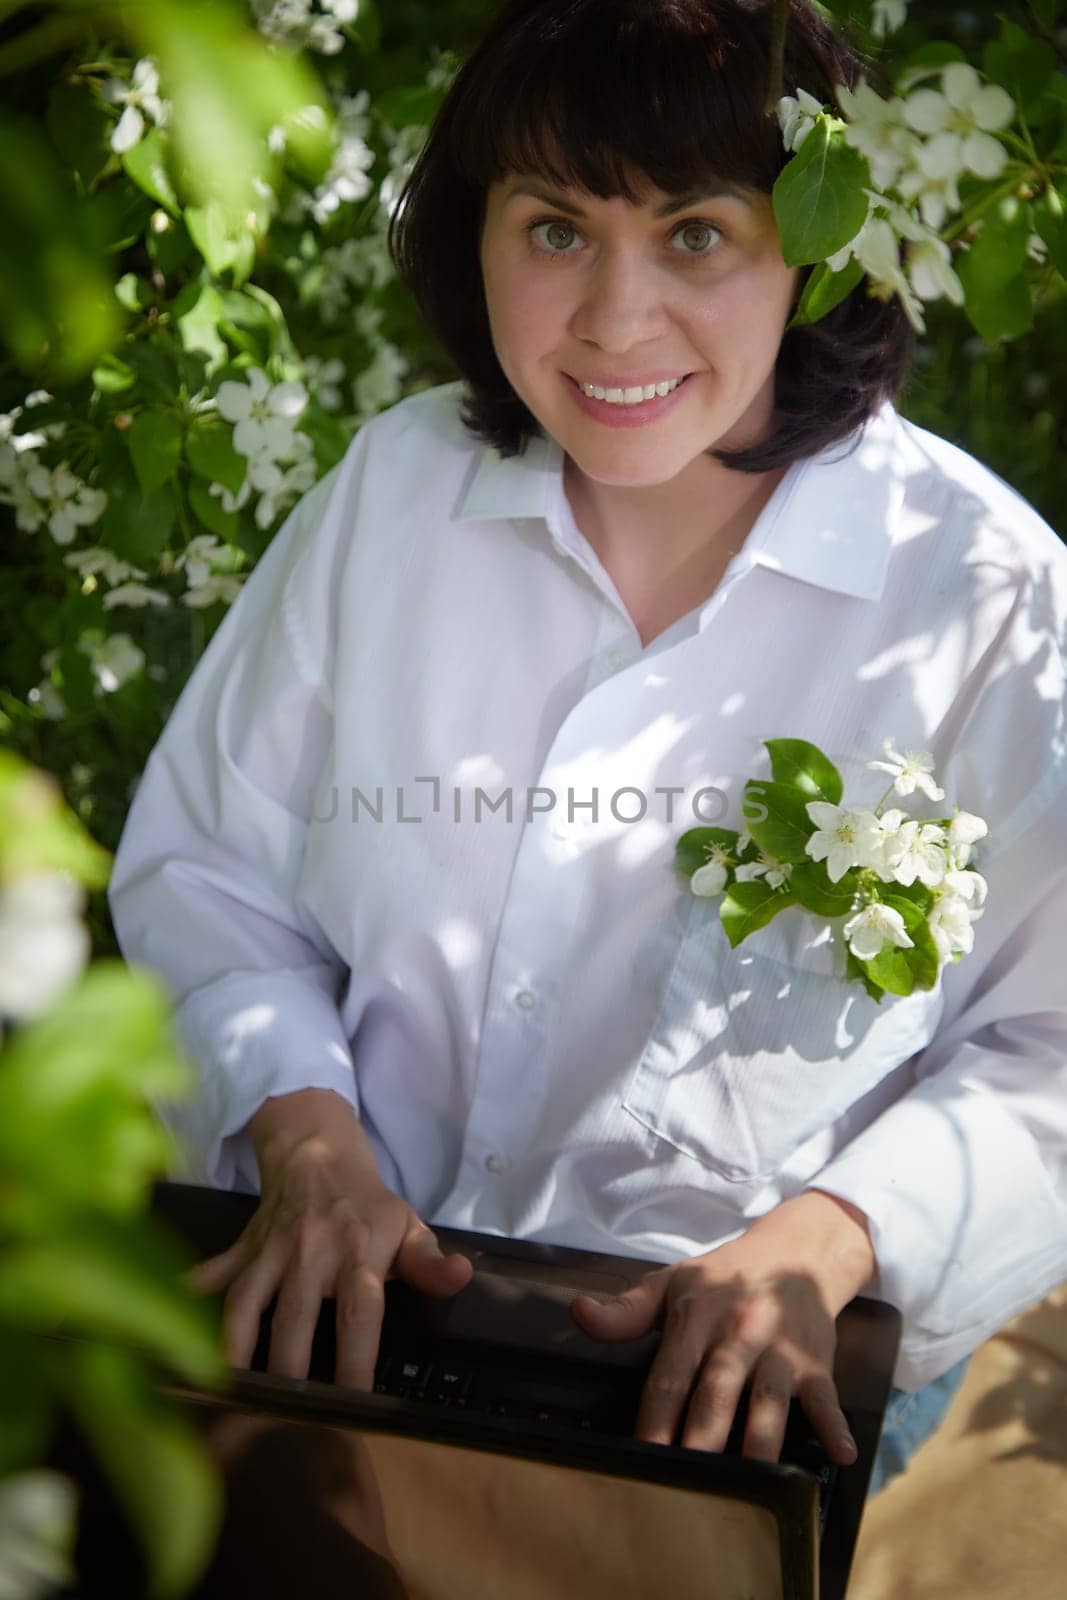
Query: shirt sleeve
[[204, 885], [964, 1179]]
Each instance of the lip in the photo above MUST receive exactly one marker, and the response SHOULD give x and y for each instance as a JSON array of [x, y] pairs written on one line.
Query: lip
[[617, 416]]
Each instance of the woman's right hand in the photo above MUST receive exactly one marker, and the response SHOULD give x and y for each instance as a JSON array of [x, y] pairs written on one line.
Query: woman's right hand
[[326, 1226]]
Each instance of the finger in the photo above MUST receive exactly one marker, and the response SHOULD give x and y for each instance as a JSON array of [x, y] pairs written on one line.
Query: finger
[[773, 1386], [296, 1314], [687, 1330], [818, 1396], [714, 1402], [629, 1315], [360, 1310], [421, 1262], [218, 1272], [248, 1297]]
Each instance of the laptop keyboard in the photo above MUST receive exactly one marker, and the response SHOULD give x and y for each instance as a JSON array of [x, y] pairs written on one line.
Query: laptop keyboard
[[446, 1374], [505, 1393]]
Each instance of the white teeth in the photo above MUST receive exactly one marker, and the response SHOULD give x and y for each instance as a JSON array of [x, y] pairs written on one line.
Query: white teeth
[[630, 397]]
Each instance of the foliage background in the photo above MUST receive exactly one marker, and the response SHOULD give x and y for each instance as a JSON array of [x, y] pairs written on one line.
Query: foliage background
[[317, 289]]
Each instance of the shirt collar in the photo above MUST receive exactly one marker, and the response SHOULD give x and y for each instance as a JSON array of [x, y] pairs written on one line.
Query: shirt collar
[[829, 523]]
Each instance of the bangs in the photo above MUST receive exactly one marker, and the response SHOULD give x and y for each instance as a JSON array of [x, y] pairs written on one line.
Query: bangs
[[612, 99]]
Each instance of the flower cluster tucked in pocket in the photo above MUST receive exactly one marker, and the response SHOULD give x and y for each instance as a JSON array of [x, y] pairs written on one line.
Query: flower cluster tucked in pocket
[[903, 885]]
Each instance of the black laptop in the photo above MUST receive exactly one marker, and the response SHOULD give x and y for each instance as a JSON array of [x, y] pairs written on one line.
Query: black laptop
[[476, 1397]]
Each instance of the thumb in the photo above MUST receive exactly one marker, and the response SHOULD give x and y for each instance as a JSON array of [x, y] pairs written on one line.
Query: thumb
[[421, 1262], [628, 1316]]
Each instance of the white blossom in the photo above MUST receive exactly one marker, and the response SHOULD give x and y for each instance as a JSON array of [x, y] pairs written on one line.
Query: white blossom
[[710, 879], [231, 502], [951, 922], [969, 886], [379, 384], [278, 487], [140, 99], [932, 274], [796, 117], [98, 559], [868, 930], [960, 120], [877, 249], [878, 130], [918, 852], [54, 495], [205, 584], [38, 1529], [323, 378], [769, 868], [888, 16], [135, 595], [844, 838], [294, 23], [265, 415], [114, 658], [911, 771], [345, 183], [964, 831], [48, 700], [43, 942]]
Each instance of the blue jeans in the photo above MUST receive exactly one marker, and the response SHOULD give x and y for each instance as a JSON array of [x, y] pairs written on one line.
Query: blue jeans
[[910, 1418]]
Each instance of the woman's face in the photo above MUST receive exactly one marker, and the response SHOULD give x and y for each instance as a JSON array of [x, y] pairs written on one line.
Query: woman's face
[[607, 293]]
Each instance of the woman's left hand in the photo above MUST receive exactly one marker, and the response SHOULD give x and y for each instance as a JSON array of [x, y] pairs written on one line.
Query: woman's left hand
[[761, 1310]]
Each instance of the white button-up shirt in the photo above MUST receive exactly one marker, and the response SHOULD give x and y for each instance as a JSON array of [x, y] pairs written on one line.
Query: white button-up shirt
[[409, 835]]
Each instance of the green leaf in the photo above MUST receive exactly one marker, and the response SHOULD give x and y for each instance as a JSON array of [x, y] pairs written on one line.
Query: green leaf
[[137, 526], [857, 970], [207, 509], [1050, 220], [891, 970], [824, 291], [196, 312], [810, 882], [1021, 63], [39, 832], [999, 301], [132, 293], [164, 1477], [693, 848], [146, 163], [407, 108], [923, 960], [803, 766], [154, 440], [748, 906], [210, 453], [775, 816], [222, 238], [79, 128], [819, 198], [116, 1280]]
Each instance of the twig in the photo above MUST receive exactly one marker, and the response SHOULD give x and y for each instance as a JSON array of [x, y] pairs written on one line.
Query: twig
[[1041, 29]]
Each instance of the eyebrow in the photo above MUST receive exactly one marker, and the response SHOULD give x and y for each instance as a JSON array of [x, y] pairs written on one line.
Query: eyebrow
[[680, 202]]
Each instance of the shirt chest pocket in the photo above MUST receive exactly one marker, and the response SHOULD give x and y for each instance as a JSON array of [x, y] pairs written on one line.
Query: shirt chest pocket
[[753, 1050]]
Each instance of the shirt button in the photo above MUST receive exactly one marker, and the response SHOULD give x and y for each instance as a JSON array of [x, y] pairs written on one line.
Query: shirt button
[[496, 1164], [525, 1000], [615, 659]]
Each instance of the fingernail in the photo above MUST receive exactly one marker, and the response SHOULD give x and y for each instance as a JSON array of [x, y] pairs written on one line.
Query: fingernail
[[848, 1444]]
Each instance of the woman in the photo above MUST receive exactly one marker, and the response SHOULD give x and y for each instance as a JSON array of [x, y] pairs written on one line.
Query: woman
[[404, 850]]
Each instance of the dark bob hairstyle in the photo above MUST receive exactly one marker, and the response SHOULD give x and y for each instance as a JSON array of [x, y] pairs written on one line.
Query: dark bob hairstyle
[[598, 94]]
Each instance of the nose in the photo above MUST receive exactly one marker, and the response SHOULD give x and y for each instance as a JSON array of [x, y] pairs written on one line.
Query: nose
[[622, 303]]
